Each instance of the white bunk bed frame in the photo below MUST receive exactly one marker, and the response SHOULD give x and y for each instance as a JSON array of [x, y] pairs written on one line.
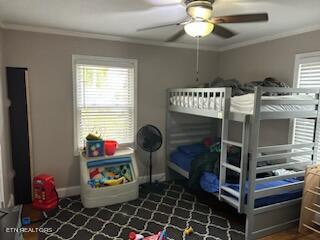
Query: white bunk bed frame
[[268, 219]]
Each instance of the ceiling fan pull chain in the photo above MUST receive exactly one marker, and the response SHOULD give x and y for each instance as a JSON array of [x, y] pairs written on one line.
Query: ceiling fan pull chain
[[197, 77]]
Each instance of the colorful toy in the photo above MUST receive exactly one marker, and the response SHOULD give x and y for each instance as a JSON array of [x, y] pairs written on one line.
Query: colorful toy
[[95, 148], [93, 137], [45, 197], [94, 183], [135, 236], [115, 181], [93, 172], [159, 236], [188, 231], [125, 171], [109, 176], [26, 221], [96, 173], [163, 235]]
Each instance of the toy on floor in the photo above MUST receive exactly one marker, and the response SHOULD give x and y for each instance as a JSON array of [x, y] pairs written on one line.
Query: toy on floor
[[45, 196], [135, 236], [26, 221], [159, 236], [188, 231]]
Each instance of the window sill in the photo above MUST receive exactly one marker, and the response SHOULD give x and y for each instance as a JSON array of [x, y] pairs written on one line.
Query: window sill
[[120, 152]]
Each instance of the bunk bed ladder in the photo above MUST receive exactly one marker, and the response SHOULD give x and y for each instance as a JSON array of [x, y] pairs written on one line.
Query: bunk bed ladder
[[224, 146], [244, 162], [237, 198], [234, 198]]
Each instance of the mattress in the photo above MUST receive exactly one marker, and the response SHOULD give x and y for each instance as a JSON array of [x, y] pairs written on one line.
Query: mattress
[[242, 104], [209, 182], [182, 160]]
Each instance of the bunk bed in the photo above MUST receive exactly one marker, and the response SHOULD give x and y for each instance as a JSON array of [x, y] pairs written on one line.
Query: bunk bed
[[220, 109]]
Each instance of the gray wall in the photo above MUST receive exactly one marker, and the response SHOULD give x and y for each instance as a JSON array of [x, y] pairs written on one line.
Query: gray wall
[[273, 58], [4, 134], [48, 58]]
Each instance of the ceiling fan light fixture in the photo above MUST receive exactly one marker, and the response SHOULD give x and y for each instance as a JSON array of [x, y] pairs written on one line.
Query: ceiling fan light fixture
[[200, 10], [198, 28]]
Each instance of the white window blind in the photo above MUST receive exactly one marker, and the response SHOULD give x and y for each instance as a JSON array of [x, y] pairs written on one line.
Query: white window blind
[[104, 99], [307, 75]]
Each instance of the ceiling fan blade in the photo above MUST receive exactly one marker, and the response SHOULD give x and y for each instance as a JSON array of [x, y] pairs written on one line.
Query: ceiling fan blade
[[176, 36], [164, 2], [160, 26], [223, 32], [243, 18]]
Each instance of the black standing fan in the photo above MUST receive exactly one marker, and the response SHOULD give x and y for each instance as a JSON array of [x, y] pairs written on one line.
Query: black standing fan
[[149, 138]]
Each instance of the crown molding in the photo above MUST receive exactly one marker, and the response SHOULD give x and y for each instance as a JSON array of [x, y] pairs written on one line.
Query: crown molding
[[56, 31], [270, 38], [102, 36]]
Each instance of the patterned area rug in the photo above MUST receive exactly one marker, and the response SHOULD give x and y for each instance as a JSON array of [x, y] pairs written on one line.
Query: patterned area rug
[[172, 209]]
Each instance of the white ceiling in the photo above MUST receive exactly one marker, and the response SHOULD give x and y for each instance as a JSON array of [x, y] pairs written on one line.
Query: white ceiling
[[123, 17]]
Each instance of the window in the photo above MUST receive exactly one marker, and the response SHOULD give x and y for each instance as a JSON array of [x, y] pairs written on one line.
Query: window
[[307, 75], [104, 99]]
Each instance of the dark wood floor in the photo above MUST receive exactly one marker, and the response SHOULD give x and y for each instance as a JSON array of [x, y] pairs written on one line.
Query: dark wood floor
[[28, 211], [292, 234]]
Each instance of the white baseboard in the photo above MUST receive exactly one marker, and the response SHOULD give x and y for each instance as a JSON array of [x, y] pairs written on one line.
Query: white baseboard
[[160, 177], [68, 191], [75, 190]]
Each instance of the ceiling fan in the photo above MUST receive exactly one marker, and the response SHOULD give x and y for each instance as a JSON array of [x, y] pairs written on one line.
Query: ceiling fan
[[200, 21]]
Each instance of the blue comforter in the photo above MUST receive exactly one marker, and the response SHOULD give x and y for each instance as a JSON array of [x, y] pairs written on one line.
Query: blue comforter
[[209, 182], [184, 155]]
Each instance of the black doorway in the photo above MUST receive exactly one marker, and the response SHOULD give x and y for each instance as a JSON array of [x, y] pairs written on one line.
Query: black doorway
[[19, 131]]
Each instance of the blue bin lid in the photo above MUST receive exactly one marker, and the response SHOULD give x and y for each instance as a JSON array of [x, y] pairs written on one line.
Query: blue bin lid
[[105, 162]]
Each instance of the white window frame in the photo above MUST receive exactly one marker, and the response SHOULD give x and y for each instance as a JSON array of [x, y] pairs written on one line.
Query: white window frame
[[300, 59], [303, 58], [104, 61]]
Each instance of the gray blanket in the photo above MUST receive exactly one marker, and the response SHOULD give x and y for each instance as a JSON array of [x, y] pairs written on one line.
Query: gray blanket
[[241, 89]]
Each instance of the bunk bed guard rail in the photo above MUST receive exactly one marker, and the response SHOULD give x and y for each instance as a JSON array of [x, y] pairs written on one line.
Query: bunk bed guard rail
[[208, 102]]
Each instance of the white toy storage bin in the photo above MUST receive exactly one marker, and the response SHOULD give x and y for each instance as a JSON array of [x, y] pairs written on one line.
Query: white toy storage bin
[[104, 196]]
